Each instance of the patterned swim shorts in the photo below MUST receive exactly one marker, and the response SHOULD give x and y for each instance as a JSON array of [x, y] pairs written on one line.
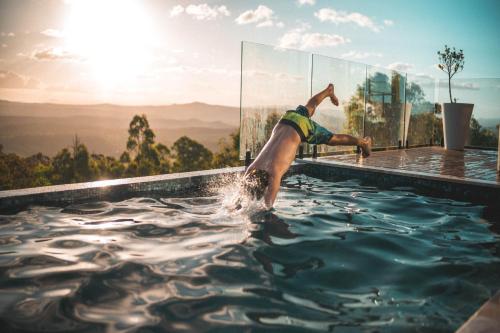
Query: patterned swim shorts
[[308, 130]]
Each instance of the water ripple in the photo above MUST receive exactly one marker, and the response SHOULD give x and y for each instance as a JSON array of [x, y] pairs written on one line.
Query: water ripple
[[331, 256]]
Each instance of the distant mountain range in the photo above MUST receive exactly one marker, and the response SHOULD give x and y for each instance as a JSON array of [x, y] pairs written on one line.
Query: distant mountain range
[[29, 128], [490, 123]]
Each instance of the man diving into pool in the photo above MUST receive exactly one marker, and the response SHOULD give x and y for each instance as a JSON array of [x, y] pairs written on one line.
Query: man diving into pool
[[263, 176]]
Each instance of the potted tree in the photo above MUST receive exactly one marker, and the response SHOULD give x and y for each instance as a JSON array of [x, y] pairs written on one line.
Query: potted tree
[[456, 116]]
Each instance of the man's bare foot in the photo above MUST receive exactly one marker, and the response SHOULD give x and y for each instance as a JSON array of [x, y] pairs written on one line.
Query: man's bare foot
[[331, 94], [366, 146]]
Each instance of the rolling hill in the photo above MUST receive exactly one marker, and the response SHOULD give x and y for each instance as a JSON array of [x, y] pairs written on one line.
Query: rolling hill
[[29, 128]]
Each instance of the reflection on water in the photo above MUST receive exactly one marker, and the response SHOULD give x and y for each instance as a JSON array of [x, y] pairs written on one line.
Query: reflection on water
[[331, 255], [453, 164]]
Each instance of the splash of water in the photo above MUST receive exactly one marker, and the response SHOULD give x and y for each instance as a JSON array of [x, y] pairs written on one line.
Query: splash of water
[[234, 199]]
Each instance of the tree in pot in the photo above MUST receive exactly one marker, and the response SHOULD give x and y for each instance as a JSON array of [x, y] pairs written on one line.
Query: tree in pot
[[456, 116]]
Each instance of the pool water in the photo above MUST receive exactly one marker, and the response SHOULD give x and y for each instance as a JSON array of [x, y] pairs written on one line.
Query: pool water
[[332, 256]]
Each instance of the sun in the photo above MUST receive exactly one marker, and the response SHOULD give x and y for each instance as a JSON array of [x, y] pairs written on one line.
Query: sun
[[115, 38]]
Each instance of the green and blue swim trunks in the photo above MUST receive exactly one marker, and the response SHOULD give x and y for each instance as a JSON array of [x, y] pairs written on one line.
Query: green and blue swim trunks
[[308, 130]]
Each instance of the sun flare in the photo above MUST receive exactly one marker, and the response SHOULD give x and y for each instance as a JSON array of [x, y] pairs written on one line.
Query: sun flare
[[115, 37]]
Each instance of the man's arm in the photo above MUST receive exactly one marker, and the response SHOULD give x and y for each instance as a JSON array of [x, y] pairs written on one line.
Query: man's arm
[[272, 191]]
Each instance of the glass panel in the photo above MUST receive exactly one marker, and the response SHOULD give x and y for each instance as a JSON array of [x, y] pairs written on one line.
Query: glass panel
[[273, 81], [349, 79], [419, 110], [485, 95], [384, 120]]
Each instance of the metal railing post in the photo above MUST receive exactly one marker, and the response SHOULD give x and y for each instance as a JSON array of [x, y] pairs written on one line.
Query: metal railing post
[[498, 152], [247, 159]]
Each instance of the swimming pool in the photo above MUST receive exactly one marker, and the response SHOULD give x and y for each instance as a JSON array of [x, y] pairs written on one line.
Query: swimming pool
[[333, 255]]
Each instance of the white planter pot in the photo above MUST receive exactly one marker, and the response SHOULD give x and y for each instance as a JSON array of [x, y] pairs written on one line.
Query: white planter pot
[[456, 123]]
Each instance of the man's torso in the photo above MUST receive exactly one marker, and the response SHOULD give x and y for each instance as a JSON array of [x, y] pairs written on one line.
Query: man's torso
[[279, 152]]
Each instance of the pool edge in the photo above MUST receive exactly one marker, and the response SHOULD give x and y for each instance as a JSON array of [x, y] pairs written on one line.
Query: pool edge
[[175, 183], [486, 319], [478, 191]]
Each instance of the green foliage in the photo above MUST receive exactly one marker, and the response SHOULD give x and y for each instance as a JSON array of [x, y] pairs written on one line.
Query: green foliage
[[143, 157], [424, 125], [81, 162], [415, 95], [384, 104], [229, 152], [383, 119], [150, 158], [125, 157], [354, 112], [481, 136], [141, 137], [451, 62], [190, 155], [271, 121], [62, 166]]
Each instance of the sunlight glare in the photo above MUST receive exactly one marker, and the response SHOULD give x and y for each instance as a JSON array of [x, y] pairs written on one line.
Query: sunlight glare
[[115, 37]]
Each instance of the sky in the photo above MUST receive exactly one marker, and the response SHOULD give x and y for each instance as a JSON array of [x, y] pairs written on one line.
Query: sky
[[155, 52]]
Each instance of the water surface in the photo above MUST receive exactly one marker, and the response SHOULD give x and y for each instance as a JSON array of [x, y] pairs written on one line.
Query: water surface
[[332, 256]]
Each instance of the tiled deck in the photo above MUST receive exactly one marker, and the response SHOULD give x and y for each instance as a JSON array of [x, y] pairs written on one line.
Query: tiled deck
[[471, 164]]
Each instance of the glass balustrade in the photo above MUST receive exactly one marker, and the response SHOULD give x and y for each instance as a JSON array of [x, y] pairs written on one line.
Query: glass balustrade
[[394, 108]]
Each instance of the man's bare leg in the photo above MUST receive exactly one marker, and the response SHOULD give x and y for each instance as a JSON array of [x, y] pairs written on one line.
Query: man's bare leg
[[348, 140], [338, 139], [316, 100]]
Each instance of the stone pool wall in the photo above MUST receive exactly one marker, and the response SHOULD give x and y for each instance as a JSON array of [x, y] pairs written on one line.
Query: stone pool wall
[[169, 184]]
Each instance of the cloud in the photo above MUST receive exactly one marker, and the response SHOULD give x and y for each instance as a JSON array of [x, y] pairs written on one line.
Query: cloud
[[54, 54], [52, 33], [361, 55], [268, 23], [266, 75], [389, 23], [330, 14], [7, 34], [316, 39], [306, 2], [421, 76], [400, 66], [11, 80], [443, 83], [201, 12], [263, 16], [176, 11], [299, 38]]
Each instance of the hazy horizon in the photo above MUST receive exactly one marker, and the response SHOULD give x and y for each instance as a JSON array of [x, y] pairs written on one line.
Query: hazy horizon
[[119, 104], [29, 128]]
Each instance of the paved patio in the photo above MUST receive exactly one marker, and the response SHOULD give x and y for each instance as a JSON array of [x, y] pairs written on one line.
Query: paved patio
[[471, 164]]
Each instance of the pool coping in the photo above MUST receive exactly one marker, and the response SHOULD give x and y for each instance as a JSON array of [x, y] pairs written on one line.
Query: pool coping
[[486, 319], [114, 189], [475, 190], [174, 183]]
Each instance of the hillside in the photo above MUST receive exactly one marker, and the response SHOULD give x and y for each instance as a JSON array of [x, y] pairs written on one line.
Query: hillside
[[490, 123], [28, 128]]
